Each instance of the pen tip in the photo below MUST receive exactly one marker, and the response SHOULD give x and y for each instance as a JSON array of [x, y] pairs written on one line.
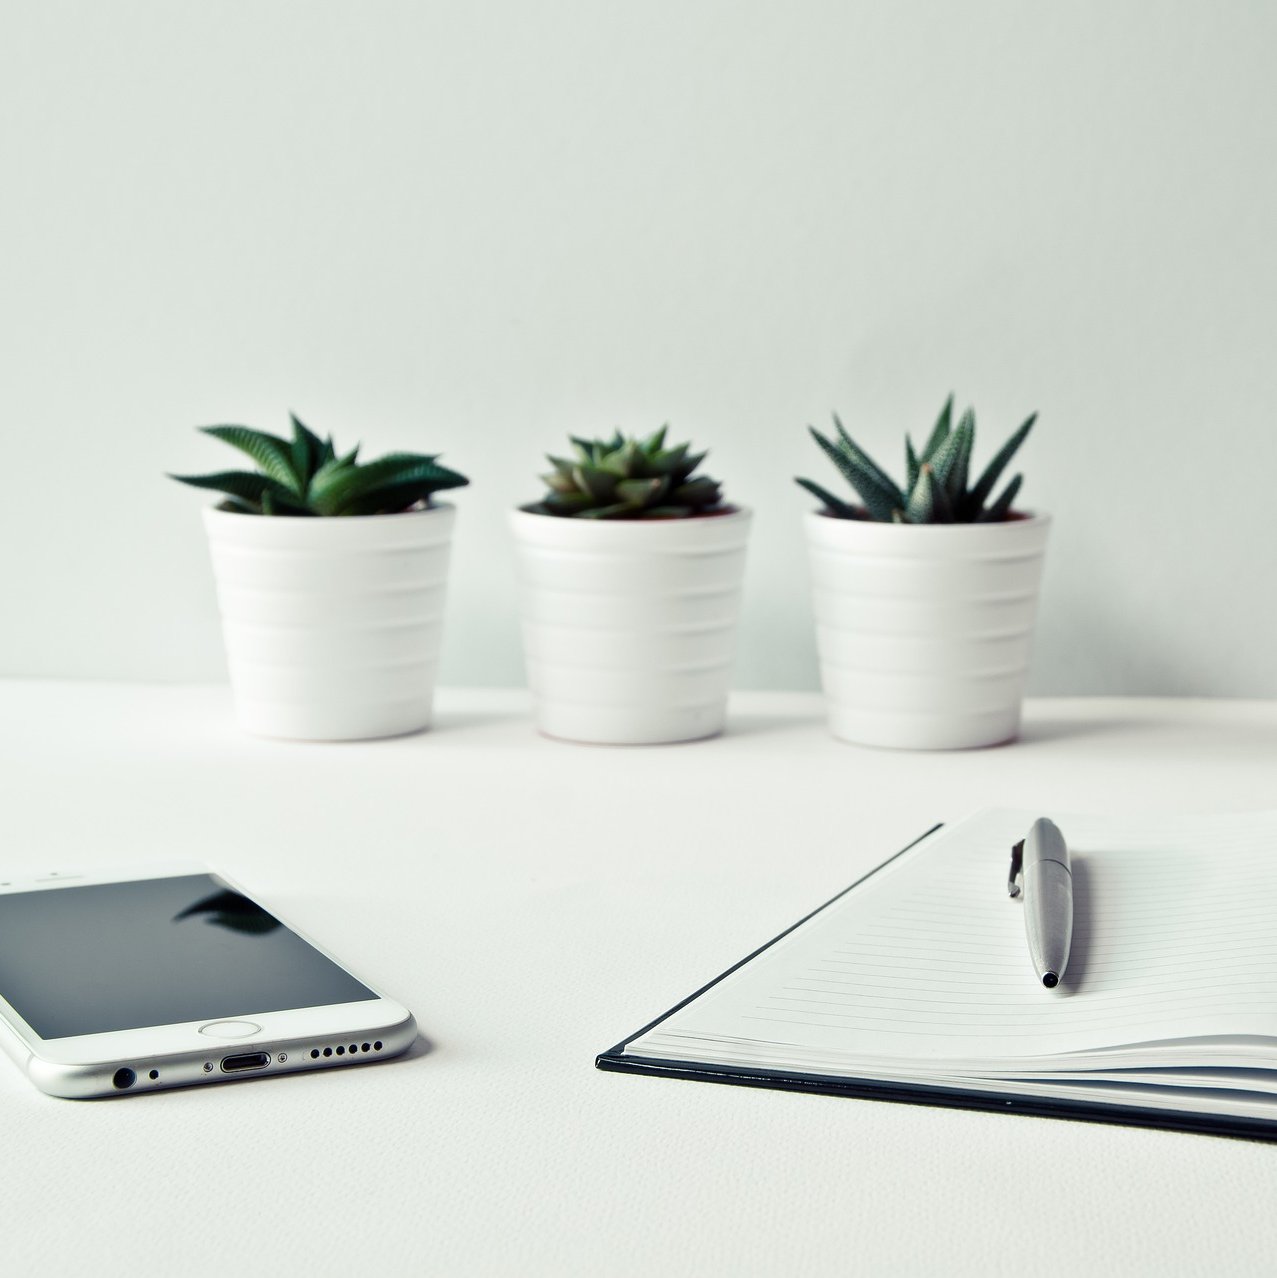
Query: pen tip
[[1050, 979]]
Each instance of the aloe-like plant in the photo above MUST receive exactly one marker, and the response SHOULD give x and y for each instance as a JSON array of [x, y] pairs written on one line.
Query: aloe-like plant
[[628, 478], [308, 476], [936, 489]]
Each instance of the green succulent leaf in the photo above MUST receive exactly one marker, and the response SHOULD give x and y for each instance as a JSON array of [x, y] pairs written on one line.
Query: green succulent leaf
[[921, 506], [392, 498], [573, 503], [999, 510], [992, 472], [274, 456], [628, 478], [623, 461], [688, 465], [965, 430], [620, 510], [879, 500], [942, 509], [642, 492], [246, 486], [929, 502], [937, 477], [843, 509], [939, 432], [307, 453], [559, 481], [340, 485], [950, 460], [307, 476], [599, 483], [696, 492], [673, 461], [867, 463]]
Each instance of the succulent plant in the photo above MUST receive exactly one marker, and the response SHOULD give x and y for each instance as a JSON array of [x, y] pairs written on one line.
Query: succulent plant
[[627, 478], [936, 490], [308, 476]]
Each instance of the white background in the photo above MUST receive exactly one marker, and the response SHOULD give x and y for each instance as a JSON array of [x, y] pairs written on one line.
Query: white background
[[474, 228]]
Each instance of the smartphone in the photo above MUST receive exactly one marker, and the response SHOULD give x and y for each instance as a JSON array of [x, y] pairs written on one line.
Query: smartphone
[[114, 985]]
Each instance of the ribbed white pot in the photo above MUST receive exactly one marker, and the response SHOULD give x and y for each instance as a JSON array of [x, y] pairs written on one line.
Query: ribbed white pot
[[332, 626], [629, 626], [924, 630]]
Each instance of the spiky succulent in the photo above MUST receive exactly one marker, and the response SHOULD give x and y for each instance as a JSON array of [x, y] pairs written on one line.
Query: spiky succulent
[[936, 490], [627, 478], [308, 476]]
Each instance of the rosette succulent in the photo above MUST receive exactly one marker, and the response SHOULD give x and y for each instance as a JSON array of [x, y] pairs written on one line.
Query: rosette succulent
[[936, 489], [628, 478], [309, 476]]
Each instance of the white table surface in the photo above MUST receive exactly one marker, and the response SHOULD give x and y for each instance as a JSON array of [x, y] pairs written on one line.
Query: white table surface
[[533, 902]]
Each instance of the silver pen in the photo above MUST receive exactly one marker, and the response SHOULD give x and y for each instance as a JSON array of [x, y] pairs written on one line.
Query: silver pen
[[1040, 863]]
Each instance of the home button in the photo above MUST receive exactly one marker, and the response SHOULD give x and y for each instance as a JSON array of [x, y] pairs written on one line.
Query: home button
[[230, 1029]]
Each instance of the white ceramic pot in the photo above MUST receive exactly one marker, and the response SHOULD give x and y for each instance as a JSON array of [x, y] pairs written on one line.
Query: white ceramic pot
[[924, 630], [332, 626], [629, 626]]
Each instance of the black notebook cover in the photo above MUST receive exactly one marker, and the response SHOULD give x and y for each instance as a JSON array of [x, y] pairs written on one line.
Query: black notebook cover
[[615, 1060]]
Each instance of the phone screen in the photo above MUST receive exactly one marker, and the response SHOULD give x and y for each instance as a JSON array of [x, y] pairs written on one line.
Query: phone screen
[[100, 957]]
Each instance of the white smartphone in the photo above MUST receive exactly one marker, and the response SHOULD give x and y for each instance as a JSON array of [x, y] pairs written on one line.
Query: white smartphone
[[113, 985]]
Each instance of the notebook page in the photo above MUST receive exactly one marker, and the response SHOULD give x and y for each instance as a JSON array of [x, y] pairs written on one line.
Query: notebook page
[[926, 964]]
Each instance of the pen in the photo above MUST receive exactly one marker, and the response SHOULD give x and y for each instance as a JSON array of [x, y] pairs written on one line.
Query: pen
[[1041, 863]]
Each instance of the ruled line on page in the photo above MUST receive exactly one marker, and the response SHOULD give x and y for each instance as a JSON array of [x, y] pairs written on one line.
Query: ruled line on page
[[1172, 939]]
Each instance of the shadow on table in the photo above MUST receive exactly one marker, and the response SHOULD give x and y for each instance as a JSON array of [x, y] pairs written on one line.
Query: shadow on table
[[1073, 729], [457, 723], [423, 1046], [1040, 730], [756, 725]]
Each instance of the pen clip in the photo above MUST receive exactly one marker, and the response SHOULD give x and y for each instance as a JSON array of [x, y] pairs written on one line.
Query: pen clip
[[1017, 865]]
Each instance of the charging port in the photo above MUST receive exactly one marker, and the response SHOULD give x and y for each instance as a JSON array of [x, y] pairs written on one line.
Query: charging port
[[245, 1060]]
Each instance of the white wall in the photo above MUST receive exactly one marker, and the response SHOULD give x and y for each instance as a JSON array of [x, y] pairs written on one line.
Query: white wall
[[474, 228]]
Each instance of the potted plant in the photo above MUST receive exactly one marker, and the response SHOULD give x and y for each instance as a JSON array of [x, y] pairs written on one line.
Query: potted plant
[[631, 568], [925, 594], [330, 578]]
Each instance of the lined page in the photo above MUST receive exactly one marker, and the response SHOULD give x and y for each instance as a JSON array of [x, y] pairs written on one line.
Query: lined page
[[926, 964]]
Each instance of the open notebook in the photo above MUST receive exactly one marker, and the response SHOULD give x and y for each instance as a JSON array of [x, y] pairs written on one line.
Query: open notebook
[[915, 983]]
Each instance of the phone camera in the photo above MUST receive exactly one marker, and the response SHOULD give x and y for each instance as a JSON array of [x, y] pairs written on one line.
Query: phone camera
[[124, 1078]]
